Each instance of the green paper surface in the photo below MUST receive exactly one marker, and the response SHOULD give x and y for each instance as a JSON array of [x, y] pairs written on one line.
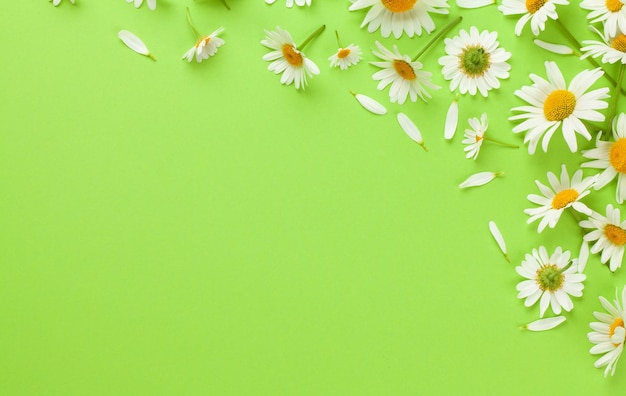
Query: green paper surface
[[169, 228]]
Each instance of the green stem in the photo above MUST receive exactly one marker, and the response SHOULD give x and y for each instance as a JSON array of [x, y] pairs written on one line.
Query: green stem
[[613, 105], [311, 37], [499, 142], [441, 33], [151, 56], [191, 24], [226, 4], [338, 42]]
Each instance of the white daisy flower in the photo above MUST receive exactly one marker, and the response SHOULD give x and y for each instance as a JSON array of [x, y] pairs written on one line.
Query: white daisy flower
[[537, 11], [564, 194], [398, 16], [611, 48], [610, 156], [610, 235], [205, 46], [57, 2], [552, 105], [551, 280], [609, 333], [287, 59], [404, 75], [290, 3], [610, 12], [474, 137], [151, 3], [346, 57], [474, 62]]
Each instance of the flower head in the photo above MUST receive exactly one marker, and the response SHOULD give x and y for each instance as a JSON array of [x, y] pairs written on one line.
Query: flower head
[[400, 16], [535, 11], [57, 2], [474, 137], [205, 46], [290, 3], [554, 105], [553, 279], [474, 62], [404, 75], [609, 333], [151, 3], [562, 195], [612, 48], [610, 12], [346, 57], [610, 235]]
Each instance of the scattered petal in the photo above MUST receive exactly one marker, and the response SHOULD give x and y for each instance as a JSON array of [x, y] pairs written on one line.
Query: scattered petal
[[583, 256], [474, 3], [555, 48], [479, 179], [133, 42], [411, 130], [497, 235], [545, 324], [452, 119], [370, 104]]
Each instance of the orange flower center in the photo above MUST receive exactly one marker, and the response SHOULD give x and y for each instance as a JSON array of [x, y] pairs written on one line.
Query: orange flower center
[[292, 55], [203, 39], [617, 155], [615, 234], [559, 105], [534, 5], [399, 5], [614, 5], [618, 322], [343, 53], [404, 69], [564, 198], [478, 138], [619, 43]]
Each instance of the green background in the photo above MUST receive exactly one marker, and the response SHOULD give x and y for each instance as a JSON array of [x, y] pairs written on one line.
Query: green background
[[184, 229]]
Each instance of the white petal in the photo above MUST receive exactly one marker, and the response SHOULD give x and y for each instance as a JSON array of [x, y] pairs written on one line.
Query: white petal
[[479, 179], [410, 129], [497, 235], [556, 48], [474, 3], [583, 256], [452, 120], [545, 324], [370, 104], [133, 42]]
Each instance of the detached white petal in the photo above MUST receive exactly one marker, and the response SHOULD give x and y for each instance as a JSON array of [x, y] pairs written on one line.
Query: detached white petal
[[583, 256], [474, 3], [133, 42], [370, 104], [497, 235], [452, 119], [411, 129], [556, 48], [479, 179], [544, 324]]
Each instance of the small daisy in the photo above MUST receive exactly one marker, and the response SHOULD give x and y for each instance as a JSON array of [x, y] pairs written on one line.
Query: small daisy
[[474, 62], [346, 57], [610, 156], [612, 49], [610, 236], [205, 46], [290, 3], [537, 11], [151, 3], [609, 333], [552, 105], [474, 137], [404, 75], [57, 2], [562, 195], [398, 16], [288, 59], [610, 12]]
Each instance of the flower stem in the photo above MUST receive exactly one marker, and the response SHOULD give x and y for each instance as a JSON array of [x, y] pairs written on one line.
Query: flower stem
[[193, 27], [338, 41], [441, 33], [226, 4], [500, 142], [613, 105], [311, 37]]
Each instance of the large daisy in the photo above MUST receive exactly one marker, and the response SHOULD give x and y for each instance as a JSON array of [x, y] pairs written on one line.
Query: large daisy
[[551, 280], [562, 195], [609, 333], [398, 16], [610, 235], [610, 12], [404, 75], [287, 59], [474, 62], [610, 156], [612, 49], [535, 11], [553, 104]]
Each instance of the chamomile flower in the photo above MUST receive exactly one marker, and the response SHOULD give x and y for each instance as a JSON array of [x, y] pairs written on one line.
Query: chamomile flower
[[610, 156], [205, 46], [151, 3], [610, 235], [609, 333], [474, 62], [551, 280], [287, 59], [474, 137], [563, 194], [612, 49], [400, 16], [290, 3], [610, 12], [57, 2], [405, 76], [535, 11], [346, 57], [554, 105]]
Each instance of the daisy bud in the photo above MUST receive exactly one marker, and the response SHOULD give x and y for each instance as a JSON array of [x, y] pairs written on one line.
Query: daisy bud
[[544, 324], [452, 119], [497, 235], [370, 104], [133, 42], [411, 129], [555, 48], [474, 3], [479, 179]]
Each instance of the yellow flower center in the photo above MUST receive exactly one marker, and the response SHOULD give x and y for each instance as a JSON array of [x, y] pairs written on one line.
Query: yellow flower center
[[550, 278], [559, 105], [478, 138], [534, 5], [615, 234], [619, 43], [404, 69], [343, 53], [399, 5], [203, 39], [618, 322], [617, 155], [292, 55], [614, 5], [564, 198]]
